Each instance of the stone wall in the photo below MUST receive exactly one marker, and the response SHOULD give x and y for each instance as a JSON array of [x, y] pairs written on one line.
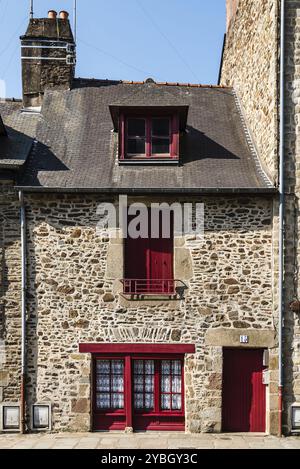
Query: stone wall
[[292, 178], [75, 296], [231, 8], [10, 295], [250, 66]]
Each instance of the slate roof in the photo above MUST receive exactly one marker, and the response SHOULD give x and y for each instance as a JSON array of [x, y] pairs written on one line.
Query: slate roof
[[20, 129], [76, 147]]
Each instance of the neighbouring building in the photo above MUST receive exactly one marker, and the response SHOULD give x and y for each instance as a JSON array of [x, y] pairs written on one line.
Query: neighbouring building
[[251, 65], [176, 331]]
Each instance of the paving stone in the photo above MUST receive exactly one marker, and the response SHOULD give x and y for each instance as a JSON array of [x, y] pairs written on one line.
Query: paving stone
[[146, 441]]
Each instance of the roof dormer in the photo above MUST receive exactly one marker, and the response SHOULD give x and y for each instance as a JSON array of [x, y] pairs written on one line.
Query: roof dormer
[[149, 124]]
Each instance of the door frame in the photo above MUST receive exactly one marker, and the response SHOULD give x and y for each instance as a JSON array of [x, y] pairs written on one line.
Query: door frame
[[266, 386]]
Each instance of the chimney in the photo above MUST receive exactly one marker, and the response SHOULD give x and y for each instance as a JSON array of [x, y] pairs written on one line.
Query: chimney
[[231, 9], [48, 57], [52, 14], [64, 15]]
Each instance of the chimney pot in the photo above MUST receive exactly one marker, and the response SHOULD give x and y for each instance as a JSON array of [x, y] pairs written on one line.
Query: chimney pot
[[64, 15], [52, 14]]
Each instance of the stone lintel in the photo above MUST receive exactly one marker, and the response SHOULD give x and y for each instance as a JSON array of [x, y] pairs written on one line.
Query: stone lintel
[[231, 338]]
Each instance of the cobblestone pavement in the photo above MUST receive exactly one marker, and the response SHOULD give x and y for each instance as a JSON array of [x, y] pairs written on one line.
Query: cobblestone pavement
[[146, 441]]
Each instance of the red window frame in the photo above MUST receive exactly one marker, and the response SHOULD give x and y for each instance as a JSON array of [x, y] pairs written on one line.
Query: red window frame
[[109, 410], [157, 410], [129, 416], [149, 117]]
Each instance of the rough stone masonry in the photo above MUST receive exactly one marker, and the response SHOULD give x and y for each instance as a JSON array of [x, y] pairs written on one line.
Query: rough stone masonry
[[75, 296], [251, 65]]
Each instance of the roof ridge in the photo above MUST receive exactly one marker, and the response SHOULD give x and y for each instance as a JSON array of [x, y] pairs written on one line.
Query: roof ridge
[[159, 83]]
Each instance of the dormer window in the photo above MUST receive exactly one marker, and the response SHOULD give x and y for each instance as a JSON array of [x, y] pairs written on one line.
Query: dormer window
[[159, 133], [147, 138]]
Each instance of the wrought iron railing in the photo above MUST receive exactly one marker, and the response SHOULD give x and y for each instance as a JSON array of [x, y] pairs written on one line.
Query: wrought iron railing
[[151, 286]]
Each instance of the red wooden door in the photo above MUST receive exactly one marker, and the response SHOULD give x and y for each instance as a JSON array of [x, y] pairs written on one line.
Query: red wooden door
[[244, 394]]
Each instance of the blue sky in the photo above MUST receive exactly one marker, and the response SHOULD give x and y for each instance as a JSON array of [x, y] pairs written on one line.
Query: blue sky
[[168, 40]]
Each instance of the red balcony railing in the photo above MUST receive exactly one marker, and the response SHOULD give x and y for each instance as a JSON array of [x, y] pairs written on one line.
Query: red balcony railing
[[149, 287]]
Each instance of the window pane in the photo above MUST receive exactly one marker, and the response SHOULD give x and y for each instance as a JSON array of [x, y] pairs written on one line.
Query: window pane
[[176, 402], [136, 127], [139, 383], [176, 367], [165, 384], [166, 402], [103, 366], [149, 367], [103, 401], [117, 366], [160, 146], [136, 146], [149, 383], [117, 401], [165, 367], [149, 401], [138, 367], [176, 384], [161, 127], [103, 383], [138, 401], [118, 383]]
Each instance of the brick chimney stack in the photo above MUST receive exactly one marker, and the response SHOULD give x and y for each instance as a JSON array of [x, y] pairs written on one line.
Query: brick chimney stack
[[48, 57], [231, 9]]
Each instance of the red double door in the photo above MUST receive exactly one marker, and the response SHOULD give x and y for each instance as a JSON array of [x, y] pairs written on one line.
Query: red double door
[[150, 389], [244, 394]]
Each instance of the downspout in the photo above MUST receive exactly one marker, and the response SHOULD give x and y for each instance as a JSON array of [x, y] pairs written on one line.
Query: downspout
[[23, 310], [281, 215]]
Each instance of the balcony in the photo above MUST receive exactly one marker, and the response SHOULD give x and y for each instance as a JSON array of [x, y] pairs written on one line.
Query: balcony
[[153, 287]]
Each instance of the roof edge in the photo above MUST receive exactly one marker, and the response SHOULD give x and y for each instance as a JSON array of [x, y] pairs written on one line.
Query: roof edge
[[201, 191]]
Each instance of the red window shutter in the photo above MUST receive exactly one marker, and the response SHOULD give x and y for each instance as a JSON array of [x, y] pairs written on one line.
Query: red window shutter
[[161, 255], [161, 258], [150, 259], [136, 256]]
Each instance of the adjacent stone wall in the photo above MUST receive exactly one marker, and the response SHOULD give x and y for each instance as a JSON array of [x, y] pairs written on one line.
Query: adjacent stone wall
[[231, 8], [10, 296], [292, 178], [250, 66], [75, 296]]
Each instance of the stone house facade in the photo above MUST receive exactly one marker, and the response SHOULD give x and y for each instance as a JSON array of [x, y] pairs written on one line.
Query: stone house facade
[[153, 335], [253, 38]]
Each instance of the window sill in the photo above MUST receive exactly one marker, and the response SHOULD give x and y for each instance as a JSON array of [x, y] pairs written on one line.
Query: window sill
[[149, 161]]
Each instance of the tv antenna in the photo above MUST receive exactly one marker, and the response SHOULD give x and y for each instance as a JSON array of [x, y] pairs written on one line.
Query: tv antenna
[[31, 9], [75, 20]]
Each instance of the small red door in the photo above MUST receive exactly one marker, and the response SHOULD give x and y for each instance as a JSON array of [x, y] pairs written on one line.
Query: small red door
[[244, 394]]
